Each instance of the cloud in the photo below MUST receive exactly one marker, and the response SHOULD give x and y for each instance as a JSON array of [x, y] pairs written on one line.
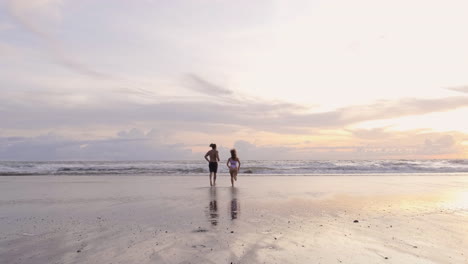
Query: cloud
[[128, 145], [34, 16], [422, 143], [250, 151], [203, 86], [432, 146], [443, 144], [6, 26], [41, 18], [137, 144], [370, 134], [463, 89], [384, 109], [19, 111], [411, 145]]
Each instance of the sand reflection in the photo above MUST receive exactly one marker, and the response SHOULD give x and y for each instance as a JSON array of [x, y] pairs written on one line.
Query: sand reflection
[[213, 207], [458, 200], [234, 208]]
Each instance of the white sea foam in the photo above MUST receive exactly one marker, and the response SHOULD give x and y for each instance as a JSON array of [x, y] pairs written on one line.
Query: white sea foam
[[279, 167]]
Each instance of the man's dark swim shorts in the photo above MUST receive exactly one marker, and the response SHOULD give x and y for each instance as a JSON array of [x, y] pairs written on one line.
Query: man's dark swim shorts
[[213, 167]]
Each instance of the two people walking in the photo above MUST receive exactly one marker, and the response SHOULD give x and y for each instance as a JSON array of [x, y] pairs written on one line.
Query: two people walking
[[233, 163]]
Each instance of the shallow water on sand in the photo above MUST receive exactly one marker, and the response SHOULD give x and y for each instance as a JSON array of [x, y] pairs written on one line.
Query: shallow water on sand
[[167, 219]]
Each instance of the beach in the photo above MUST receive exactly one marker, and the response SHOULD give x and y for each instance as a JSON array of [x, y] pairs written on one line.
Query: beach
[[393, 218]]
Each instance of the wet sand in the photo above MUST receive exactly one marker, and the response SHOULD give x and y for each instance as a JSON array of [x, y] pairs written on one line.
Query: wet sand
[[280, 219]]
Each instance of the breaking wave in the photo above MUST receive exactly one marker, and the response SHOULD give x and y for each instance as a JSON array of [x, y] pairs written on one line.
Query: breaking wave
[[254, 167]]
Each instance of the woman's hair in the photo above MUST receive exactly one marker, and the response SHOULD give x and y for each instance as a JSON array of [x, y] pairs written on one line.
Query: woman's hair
[[233, 154], [213, 145]]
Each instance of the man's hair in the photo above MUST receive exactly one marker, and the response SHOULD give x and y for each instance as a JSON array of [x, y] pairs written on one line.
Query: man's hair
[[213, 145]]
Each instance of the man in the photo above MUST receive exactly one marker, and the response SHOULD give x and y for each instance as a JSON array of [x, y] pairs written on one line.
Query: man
[[213, 162]]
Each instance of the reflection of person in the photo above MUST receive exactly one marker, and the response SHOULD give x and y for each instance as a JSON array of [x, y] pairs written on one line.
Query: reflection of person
[[213, 162], [233, 164], [213, 207], [235, 208]]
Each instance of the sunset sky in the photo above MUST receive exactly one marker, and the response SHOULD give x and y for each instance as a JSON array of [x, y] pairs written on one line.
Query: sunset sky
[[131, 80]]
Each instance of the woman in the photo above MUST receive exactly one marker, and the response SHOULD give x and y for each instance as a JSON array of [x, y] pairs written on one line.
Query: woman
[[233, 164]]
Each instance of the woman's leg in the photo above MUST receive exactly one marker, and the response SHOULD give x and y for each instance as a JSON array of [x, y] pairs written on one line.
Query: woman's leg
[[232, 178]]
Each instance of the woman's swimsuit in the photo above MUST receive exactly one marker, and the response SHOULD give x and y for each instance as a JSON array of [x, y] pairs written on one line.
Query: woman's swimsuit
[[233, 164]]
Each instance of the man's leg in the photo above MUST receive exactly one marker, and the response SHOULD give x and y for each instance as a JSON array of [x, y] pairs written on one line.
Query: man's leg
[[211, 183], [214, 178]]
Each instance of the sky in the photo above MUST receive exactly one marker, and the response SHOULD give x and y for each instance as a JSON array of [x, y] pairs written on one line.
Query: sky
[[162, 79]]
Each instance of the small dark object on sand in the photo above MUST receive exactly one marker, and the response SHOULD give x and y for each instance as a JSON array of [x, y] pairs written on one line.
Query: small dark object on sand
[[232, 232], [78, 251], [356, 221], [197, 246], [386, 257]]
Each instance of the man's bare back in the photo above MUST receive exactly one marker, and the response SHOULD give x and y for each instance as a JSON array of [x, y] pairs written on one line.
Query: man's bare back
[[213, 154]]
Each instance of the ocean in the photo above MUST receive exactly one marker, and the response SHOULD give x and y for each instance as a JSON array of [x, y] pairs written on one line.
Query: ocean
[[249, 167]]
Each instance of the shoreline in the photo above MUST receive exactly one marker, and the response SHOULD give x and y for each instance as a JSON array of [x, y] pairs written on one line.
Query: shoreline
[[226, 174]]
